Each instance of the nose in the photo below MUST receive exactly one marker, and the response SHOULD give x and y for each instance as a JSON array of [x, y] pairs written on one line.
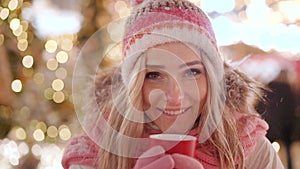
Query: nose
[[174, 94]]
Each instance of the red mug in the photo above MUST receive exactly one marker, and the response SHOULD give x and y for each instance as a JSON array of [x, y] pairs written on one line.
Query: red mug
[[175, 143]]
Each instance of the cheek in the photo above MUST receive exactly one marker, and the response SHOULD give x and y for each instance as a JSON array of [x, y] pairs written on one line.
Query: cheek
[[202, 92]]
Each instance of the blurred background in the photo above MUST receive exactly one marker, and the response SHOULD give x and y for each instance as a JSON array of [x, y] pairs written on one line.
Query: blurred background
[[40, 41]]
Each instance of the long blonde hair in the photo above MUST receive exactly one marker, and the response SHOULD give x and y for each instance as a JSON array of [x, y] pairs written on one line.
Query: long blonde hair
[[240, 93]]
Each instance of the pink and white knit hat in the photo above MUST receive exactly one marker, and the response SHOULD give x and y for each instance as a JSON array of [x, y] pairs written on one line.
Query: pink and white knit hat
[[154, 22]]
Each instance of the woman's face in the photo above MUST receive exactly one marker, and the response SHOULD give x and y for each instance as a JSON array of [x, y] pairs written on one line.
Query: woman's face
[[175, 87]]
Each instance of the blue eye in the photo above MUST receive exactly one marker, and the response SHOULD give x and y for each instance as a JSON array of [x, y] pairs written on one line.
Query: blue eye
[[152, 75], [192, 72]]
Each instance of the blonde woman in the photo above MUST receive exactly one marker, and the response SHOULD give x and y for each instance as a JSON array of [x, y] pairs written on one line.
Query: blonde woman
[[173, 80]]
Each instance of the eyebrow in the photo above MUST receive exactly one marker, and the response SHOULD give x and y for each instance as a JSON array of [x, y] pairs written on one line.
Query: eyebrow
[[196, 62]]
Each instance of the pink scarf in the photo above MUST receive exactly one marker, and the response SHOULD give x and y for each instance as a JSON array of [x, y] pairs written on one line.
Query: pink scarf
[[81, 150]]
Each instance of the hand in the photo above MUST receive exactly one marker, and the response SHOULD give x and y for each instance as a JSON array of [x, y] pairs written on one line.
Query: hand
[[155, 158], [183, 162]]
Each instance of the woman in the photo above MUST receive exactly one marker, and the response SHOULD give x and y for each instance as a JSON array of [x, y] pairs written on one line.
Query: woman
[[174, 80]]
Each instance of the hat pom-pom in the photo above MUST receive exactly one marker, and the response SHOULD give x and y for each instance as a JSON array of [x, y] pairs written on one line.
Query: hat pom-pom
[[136, 2]]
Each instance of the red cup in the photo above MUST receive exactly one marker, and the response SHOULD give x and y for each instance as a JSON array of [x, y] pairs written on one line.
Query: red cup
[[175, 143]]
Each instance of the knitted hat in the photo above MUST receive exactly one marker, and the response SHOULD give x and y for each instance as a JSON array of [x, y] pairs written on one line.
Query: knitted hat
[[154, 22]]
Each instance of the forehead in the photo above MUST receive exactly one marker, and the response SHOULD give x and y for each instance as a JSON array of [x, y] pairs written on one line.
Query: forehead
[[172, 52]]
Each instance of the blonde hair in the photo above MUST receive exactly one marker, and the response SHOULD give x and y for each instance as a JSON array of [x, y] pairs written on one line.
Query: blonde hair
[[239, 90], [123, 126]]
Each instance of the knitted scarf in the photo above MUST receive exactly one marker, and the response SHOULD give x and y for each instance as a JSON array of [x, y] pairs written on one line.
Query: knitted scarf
[[81, 150]]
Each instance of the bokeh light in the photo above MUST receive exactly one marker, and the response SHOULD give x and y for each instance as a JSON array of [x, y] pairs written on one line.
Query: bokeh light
[[58, 84], [115, 30], [39, 78], [16, 85], [51, 46], [23, 148], [13, 4], [4, 13], [276, 146], [27, 61], [21, 134], [65, 133], [15, 23], [52, 132], [58, 97], [41, 125], [24, 25], [66, 44], [38, 135], [18, 31], [22, 44], [10, 151], [52, 64], [28, 72], [48, 93], [122, 9], [61, 73], [36, 150], [25, 112], [23, 35], [62, 57]]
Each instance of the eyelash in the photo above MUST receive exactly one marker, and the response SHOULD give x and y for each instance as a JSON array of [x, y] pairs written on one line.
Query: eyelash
[[194, 72], [153, 75], [188, 73]]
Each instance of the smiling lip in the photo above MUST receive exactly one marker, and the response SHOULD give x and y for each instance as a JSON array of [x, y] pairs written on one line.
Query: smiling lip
[[173, 112]]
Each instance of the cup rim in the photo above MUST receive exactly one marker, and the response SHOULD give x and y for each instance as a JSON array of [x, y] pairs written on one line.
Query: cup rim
[[173, 137]]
